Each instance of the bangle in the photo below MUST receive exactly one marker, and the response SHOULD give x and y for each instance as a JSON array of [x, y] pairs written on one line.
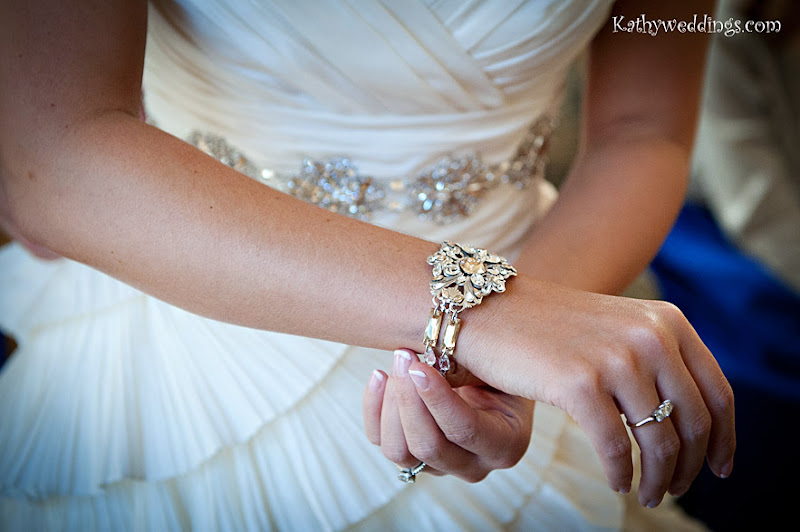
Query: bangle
[[462, 276]]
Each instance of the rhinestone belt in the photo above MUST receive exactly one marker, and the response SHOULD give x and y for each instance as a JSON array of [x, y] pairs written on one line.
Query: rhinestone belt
[[444, 192]]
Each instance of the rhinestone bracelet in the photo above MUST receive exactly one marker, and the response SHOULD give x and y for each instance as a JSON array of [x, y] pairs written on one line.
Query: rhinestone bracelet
[[462, 276], [447, 191]]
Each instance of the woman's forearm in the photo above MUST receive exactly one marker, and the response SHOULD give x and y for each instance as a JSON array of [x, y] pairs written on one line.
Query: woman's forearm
[[612, 215], [160, 215], [82, 176], [622, 196]]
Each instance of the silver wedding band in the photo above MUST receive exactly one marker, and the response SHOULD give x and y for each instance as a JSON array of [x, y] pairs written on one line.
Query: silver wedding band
[[409, 474], [662, 412]]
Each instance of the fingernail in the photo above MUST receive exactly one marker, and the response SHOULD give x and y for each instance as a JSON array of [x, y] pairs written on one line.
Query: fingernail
[[726, 470], [402, 360], [376, 380], [624, 491], [419, 378], [678, 492], [653, 503]]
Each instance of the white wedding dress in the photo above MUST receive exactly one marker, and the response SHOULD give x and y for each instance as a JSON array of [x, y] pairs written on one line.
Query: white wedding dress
[[119, 411]]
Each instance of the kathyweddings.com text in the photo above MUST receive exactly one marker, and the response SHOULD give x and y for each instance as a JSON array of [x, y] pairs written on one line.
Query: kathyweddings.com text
[[732, 26]]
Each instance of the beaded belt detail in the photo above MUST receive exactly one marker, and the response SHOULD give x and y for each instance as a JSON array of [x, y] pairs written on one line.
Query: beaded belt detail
[[447, 191]]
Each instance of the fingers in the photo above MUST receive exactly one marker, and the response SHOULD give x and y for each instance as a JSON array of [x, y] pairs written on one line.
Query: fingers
[[599, 417], [393, 438], [471, 429], [423, 436], [692, 422], [718, 398], [371, 406], [376, 413], [702, 422], [659, 442], [416, 416]]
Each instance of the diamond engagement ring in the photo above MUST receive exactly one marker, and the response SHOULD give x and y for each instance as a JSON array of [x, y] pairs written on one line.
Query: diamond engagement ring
[[659, 414], [409, 474]]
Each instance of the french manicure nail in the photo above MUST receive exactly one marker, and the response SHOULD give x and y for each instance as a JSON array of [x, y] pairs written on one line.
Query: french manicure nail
[[402, 360], [678, 492], [419, 378], [653, 503], [375, 380], [726, 470]]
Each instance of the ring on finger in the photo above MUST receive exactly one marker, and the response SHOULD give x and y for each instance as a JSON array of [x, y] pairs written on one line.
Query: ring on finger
[[409, 474], [662, 412]]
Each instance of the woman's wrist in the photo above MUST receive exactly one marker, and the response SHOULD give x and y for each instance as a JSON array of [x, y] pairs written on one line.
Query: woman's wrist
[[487, 333], [461, 277], [483, 330]]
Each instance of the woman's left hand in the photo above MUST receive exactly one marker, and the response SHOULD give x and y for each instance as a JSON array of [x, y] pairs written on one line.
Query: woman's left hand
[[416, 416]]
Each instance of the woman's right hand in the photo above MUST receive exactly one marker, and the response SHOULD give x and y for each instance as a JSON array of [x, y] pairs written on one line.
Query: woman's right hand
[[596, 356]]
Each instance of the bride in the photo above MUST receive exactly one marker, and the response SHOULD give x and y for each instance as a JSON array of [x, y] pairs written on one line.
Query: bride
[[195, 357]]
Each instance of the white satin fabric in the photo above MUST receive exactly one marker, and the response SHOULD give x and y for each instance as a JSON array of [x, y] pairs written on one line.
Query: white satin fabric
[[119, 411]]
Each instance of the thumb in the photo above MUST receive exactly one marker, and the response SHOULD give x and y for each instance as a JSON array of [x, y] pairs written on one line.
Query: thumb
[[442, 401]]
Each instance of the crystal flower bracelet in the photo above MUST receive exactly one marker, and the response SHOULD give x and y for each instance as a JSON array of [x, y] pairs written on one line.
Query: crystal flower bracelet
[[462, 277]]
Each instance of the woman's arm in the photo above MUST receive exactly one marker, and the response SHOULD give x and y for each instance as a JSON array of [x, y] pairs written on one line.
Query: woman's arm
[[82, 176], [619, 202], [629, 179]]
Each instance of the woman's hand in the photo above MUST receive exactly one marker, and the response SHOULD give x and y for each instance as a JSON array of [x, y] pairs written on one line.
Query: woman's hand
[[415, 416], [596, 356]]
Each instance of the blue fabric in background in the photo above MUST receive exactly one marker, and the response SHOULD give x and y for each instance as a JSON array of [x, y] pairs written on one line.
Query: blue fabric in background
[[747, 317], [751, 322]]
